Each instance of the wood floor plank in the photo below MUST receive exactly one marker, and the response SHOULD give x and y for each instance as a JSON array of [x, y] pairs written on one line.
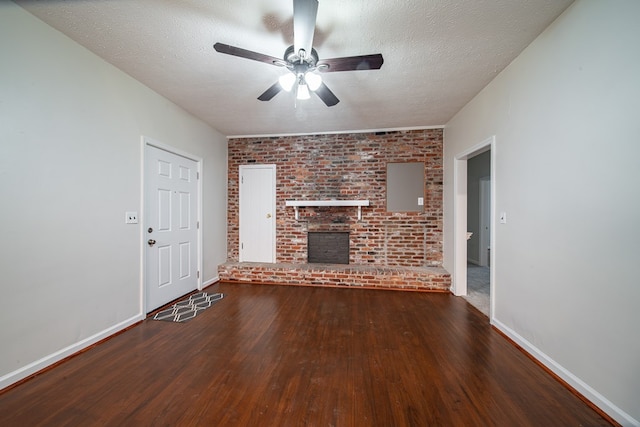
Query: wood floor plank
[[303, 356]]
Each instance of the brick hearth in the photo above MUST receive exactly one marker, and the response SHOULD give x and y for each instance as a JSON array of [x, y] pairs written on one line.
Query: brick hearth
[[338, 275]]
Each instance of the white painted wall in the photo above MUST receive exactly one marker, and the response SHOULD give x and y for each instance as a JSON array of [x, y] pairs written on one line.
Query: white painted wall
[[566, 118], [70, 166]]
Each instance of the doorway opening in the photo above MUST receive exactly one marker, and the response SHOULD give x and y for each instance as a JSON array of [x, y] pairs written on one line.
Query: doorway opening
[[473, 231], [479, 229]]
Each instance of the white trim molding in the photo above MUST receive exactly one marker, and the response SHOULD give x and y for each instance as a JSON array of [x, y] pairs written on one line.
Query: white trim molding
[[459, 276], [337, 132], [209, 282], [580, 386], [38, 365]]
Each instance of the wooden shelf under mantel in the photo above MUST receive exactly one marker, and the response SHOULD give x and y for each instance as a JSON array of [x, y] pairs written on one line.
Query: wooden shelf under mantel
[[313, 203]]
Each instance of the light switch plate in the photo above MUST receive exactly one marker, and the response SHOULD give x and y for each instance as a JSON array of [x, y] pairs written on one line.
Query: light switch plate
[[131, 217]]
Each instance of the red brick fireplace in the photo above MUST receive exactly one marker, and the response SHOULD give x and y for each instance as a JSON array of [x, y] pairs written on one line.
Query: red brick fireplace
[[398, 250]]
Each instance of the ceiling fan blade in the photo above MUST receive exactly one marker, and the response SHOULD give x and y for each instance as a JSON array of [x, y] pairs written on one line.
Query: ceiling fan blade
[[304, 24], [351, 63], [271, 92], [326, 95], [248, 54]]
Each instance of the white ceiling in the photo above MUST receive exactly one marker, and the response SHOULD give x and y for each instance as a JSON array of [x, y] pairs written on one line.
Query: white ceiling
[[438, 54]]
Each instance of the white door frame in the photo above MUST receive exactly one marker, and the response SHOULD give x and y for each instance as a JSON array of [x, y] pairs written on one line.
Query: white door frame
[[484, 238], [271, 167], [459, 276], [146, 141]]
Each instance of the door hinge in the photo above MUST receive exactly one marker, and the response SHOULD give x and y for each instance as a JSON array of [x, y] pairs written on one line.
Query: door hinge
[[197, 175], [241, 245], [198, 225], [198, 274]]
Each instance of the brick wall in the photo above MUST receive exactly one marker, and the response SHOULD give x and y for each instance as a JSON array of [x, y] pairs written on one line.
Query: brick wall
[[348, 166]]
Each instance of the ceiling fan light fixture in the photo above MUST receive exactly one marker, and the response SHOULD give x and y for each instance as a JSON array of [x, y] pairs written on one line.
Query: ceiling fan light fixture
[[302, 61], [303, 92], [287, 81], [313, 80]]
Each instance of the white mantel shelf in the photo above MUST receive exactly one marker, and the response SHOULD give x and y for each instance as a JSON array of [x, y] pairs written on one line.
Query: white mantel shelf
[[305, 203]]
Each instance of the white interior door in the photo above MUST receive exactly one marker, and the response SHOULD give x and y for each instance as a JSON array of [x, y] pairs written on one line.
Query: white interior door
[[257, 213], [171, 222]]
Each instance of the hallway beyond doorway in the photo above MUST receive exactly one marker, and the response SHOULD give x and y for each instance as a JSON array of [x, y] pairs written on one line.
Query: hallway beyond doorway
[[478, 287]]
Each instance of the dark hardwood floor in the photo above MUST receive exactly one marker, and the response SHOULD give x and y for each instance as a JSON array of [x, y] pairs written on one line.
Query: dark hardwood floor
[[302, 356]]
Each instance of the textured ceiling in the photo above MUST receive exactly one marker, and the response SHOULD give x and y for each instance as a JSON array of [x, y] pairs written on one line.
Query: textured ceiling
[[438, 54]]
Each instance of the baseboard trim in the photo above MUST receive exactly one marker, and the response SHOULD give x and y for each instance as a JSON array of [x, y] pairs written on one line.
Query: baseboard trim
[[586, 392], [210, 282], [39, 365]]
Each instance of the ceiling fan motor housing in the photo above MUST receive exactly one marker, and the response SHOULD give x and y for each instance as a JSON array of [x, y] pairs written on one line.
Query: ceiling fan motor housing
[[292, 57]]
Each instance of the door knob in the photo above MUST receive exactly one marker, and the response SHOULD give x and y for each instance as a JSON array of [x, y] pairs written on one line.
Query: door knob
[[268, 215], [151, 242]]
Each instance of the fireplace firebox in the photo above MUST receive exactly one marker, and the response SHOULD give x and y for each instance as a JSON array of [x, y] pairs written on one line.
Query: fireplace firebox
[[328, 247]]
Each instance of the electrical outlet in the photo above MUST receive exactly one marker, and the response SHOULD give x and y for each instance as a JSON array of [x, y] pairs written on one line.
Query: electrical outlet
[[131, 217], [420, 201]]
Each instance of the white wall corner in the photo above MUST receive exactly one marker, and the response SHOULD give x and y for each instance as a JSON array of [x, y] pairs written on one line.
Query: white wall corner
[[580, 386], [210, 282]]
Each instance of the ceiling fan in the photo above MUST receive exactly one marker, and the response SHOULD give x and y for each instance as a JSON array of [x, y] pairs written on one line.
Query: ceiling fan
[[302, 61]]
